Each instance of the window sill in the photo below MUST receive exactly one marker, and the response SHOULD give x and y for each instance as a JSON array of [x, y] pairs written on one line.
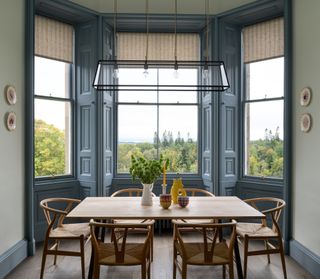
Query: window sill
[[279, 182], [54, 180]]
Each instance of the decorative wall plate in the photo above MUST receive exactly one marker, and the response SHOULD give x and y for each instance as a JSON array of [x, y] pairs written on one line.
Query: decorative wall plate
[[11, 121], [305, 122], [305, 96], [11, 95]]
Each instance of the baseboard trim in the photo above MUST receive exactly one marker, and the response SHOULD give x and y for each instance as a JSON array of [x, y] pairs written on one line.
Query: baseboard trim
[[12, 257], [306, 258]]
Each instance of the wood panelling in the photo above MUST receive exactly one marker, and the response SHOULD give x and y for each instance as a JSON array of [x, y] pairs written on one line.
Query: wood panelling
[[228, 126], [86, 59], [63, 189]]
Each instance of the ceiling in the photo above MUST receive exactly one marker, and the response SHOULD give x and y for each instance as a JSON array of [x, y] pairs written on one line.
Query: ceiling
[[162, 6]]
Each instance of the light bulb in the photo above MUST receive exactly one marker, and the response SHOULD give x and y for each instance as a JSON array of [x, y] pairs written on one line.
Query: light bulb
[[205, 72], [176, 70], [115, 72], [145, 72], [176, 73]]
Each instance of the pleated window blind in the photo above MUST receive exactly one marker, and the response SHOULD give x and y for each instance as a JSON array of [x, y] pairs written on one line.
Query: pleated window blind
[[132, 46], [53, 39], [263, 40]]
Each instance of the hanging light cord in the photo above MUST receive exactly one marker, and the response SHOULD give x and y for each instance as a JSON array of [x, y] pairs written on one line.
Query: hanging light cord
[[147, 29], [207, 29], [175, 30], [115, 10]]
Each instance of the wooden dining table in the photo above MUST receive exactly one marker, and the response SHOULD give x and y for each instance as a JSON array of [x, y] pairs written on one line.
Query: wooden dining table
[[107, 208]]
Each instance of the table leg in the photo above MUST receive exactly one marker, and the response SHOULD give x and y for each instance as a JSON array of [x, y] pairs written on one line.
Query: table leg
[[238, 259]]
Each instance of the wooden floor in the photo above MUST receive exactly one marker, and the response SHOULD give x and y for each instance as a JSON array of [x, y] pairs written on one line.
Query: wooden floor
[[69, 267]]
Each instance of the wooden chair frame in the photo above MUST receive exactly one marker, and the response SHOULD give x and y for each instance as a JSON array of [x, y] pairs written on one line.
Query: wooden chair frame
[[194, 191], [131, 192], [117, 250], [58, 231], [210, 256], [274, 213], [134, 192]]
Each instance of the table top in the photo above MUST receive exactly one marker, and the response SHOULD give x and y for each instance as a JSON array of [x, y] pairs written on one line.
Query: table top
[[130, 208]]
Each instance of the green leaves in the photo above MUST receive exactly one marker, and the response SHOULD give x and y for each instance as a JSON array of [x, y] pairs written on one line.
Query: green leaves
[[146, 170]]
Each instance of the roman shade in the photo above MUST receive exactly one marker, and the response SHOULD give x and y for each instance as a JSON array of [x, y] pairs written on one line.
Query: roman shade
[[53, 39], [263, 40], [161, 46]]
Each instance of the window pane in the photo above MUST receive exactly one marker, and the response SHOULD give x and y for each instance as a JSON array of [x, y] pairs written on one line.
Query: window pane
[[52, 78], [52, 134], [264, 139], [136, 77], [137, 126], [183, 76], [178, 135], [265, 79]]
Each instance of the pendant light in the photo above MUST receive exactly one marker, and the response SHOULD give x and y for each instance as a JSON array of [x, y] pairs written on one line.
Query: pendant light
[[207, 67]]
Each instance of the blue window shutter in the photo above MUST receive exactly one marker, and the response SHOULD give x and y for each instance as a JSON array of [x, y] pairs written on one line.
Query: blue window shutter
[[108, 115], [229, 50], [86, 59]]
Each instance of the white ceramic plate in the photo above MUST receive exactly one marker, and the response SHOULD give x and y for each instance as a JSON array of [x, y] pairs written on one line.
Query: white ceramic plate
[[11, 95], [11, 121], [305, 122]]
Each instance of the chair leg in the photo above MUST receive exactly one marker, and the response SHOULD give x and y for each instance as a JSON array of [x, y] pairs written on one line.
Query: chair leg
[[82, 257], [174, 272], [57, 242], [151, 244], [184, 271], [149, 270], [143, 271], [231, 274], [96, 271], [44, 256], [245, 260], [283, 261], [224, 271], [267, 248]]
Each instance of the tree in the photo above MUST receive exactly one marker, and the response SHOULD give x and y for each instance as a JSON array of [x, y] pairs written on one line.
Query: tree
[[266, 156], [49, 149]]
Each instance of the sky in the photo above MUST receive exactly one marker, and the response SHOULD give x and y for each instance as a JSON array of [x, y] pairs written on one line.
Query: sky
[[138, 123]]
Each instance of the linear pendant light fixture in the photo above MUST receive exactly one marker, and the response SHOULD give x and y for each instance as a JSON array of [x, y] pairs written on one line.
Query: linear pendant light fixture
[[213, 73]]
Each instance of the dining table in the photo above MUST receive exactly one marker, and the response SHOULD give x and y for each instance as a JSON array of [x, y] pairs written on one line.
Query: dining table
[[218, 207]]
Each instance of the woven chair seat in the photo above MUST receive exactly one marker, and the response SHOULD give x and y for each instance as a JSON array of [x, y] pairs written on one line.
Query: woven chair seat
[[133, 254], [254, 230], [71, 230], [195, 254]]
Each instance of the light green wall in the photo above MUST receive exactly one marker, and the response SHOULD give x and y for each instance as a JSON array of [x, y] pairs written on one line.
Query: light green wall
[[163, 6], [306, 151], [12, 143]]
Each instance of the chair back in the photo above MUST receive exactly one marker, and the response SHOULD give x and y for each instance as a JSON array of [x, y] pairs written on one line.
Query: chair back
[[198, 192], [271, 207], [210, 234], [131, 192], [120, 243], [56, 209]]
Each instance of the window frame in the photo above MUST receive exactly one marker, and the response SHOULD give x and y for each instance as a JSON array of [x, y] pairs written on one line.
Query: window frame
[[278, 181], [71, 101], [191, 176]]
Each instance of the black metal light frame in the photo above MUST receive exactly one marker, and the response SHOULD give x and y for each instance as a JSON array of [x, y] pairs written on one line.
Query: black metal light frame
[[217, 81]]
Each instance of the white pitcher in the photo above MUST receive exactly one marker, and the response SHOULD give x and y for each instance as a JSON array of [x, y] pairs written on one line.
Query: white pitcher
[[147, 194]]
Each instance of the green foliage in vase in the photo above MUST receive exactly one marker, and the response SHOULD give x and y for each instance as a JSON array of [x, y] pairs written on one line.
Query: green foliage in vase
[[146, 170]]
